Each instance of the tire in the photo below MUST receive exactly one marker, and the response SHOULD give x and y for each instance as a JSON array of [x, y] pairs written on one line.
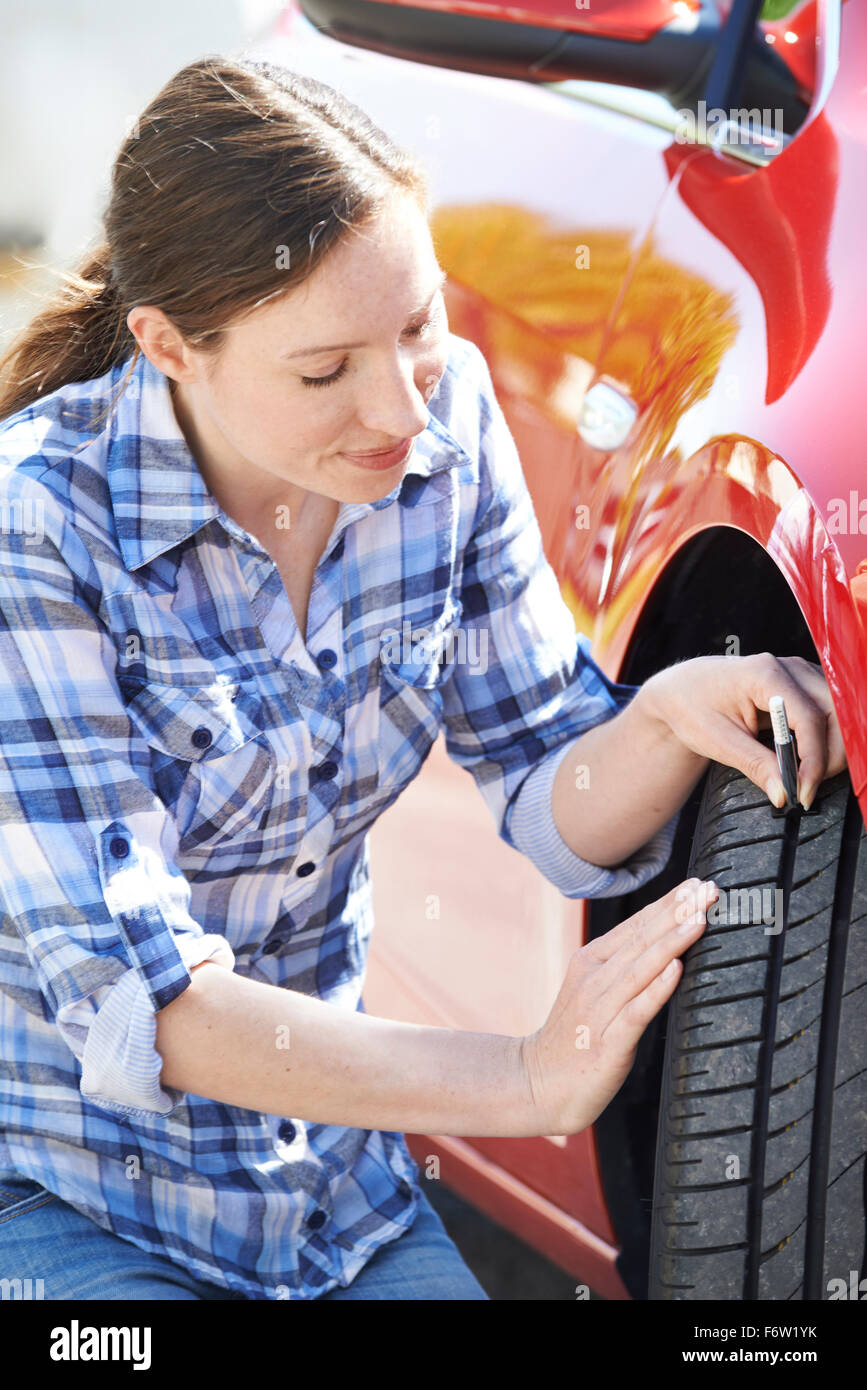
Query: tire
[[759, 1185]]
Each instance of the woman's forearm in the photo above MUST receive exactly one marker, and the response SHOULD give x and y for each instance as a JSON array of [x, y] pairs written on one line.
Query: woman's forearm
[[620, 782], [250, 1044]]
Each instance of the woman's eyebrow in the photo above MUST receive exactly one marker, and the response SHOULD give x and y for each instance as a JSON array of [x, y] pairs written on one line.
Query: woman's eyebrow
[[335, 347]]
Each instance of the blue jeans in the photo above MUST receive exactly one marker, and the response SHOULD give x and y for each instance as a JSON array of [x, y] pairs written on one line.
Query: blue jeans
[[76, 1258]]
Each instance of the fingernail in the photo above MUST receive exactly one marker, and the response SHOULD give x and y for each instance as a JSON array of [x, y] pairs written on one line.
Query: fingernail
[[807, 798], [776, 792]]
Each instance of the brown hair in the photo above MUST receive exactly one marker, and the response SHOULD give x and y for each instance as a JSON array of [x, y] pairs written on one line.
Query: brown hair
[[232, 186]]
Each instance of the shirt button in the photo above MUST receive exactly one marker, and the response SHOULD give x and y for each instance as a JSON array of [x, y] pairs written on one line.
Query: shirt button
[[270, 947], [326, 658], [404, 1188], [119, 848], [318, 1219], [286, 1132], [338, 549], [325, 771], [201, 737], [305, 869]]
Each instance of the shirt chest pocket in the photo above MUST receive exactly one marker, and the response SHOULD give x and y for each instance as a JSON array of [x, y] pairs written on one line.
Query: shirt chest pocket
[[416, 659], [212, 764]]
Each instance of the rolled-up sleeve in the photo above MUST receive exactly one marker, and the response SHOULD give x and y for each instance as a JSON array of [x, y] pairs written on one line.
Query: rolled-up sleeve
[[532, 687], [87, 872]]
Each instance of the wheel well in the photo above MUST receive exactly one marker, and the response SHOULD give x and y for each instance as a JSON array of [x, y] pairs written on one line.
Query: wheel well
[[720, 585]]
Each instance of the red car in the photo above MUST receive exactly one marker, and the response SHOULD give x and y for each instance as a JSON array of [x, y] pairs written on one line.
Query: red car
[[652, 217]]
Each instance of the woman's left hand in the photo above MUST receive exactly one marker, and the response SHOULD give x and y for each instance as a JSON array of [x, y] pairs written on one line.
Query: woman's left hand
[[715, 705]]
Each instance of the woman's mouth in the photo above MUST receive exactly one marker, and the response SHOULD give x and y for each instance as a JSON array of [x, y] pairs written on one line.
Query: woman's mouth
[[384, 460]]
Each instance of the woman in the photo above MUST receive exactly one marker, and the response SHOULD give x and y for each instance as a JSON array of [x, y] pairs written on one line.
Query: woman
[[243, 454]]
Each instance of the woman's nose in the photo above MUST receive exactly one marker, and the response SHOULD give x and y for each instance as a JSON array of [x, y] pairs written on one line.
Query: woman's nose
[[396, 405]]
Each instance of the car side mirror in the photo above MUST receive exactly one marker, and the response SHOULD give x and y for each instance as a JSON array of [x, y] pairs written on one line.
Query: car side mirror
[[662, 46]]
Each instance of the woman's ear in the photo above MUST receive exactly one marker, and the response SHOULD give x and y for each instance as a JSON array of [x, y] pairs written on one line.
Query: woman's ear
[[161, 342]]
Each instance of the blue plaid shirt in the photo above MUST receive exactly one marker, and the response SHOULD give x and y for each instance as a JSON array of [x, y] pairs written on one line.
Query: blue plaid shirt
[[181, 776]]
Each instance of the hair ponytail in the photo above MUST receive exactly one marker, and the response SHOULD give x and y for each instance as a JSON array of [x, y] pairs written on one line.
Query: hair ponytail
[[79, 334]]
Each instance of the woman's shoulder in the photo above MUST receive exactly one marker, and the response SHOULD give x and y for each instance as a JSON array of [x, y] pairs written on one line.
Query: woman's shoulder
[[61, 420], [53, 492], [47, 456]]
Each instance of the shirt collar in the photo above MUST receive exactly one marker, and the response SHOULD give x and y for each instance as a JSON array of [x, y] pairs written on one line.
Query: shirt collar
[[160, 498]]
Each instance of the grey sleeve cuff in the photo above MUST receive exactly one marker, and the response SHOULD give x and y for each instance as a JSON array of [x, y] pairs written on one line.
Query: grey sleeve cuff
[[532, 830], [120, 1065]]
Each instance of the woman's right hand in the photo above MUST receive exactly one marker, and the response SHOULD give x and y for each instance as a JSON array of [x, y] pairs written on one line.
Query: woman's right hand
[[578, 1060]]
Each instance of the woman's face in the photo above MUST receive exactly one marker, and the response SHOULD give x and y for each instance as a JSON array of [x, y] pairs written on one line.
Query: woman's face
[[342, 364]]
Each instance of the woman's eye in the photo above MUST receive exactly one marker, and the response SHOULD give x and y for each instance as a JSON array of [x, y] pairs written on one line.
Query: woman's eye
[[325, 380], [418, 330]]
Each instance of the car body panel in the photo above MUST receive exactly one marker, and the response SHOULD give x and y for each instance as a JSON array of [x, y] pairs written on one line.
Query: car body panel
[[738, 339]]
